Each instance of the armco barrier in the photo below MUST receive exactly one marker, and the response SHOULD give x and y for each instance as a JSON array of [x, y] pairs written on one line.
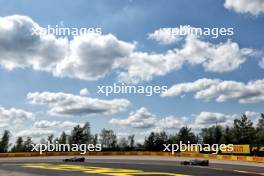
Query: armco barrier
[[182, 154]]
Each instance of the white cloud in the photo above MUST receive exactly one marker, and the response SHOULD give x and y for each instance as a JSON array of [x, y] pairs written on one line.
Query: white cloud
[[179, 89], [87, 57], [144, 66], [57, 124], [84, 92], [222, 57], [20, 48], [4, 125], [254, 7], [221, 91], [139, 119], [35, 133], [171, 122], [261, 63], [209, 118], [206, 119], [148, 122], [14, 120], [93, 56], [251, 92], [74, 105], [14, 115], [142, 118], [251, 114], [43, 128], [173, 35], [165, 36]]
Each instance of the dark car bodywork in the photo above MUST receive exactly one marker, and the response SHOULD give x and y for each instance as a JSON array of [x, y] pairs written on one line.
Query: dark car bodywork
[[196, 162], [75, 159]]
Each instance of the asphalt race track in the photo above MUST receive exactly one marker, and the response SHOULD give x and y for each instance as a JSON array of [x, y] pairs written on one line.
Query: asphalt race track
[[121, 166]]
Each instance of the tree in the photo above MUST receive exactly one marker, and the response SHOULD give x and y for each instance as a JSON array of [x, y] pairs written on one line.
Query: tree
[[227, 137], [95, 139], [50, 138], [155, 141], [207, 135], [43, 141], [27, 144], [160, 139], [81, 135], [63, 138], [108, 139], [123, 144], [131, 141], [185, 134], [260, 130], [173, 139], [149, 142], [77, 136], [4, 143], [212, 135], [244, 132], [218, 133], [87, 133], [19, 146]]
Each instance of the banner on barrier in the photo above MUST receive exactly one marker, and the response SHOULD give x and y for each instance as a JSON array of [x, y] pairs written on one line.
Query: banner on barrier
[[257, 150], [239, 149]]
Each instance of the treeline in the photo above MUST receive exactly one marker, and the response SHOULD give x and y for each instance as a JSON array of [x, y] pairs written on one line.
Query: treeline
[[241, 132], [79, 135]]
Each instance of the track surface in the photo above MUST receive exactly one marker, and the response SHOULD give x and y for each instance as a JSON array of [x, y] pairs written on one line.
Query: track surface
[[121, 166]]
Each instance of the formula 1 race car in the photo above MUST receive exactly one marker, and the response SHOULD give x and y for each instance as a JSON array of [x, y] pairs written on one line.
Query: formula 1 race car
[[196, 162], [75, 159]]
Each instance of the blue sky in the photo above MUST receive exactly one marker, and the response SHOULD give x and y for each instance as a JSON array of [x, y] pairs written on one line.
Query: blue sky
[[131, 21]]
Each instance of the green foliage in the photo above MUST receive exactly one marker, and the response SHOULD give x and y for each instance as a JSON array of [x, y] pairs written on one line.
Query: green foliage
[[22, 146], [81, 135], [4, 143], [95, 139], [108, 139], [27, 144], [19, 146], [185, 134], [260, 130], [123, 144], [242, 132], [155, 141], [227, 137], [212, 135], [131, 141], [63, 138], [50, 138]]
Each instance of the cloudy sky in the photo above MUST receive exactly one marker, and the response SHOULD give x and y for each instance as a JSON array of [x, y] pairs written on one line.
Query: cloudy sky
[[48, 83]]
